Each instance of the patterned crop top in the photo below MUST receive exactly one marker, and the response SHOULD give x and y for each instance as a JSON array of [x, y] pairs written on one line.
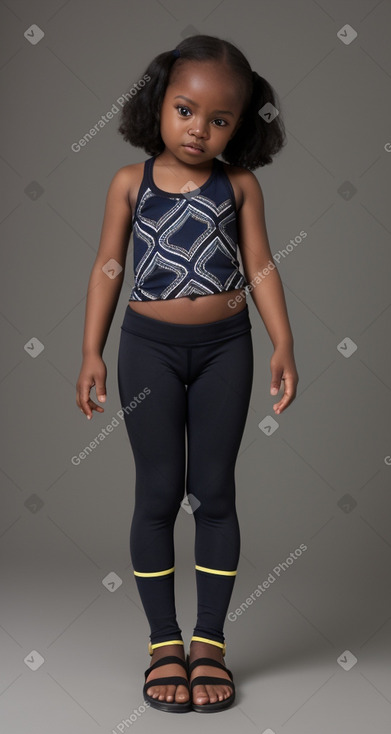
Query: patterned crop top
[[185, 244]]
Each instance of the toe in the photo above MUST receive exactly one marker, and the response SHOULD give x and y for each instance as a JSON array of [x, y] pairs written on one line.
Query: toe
[[182, 694], [170, 693], [153, 691], [210, 693], [213, 693], [200, 694]]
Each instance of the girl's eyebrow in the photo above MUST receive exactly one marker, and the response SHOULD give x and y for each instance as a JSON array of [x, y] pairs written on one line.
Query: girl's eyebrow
[[215, 112]]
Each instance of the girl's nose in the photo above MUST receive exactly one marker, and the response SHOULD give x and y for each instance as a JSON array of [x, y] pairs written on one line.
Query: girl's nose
[[198, 129]]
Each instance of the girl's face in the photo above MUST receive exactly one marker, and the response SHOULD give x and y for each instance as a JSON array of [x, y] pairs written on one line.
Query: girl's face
[[202, 106]]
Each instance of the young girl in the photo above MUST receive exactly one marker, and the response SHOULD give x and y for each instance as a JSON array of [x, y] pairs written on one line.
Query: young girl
[[185, 361]]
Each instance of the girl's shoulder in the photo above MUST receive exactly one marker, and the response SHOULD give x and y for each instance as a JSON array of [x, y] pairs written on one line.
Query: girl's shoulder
[[131, 177], [241, 179], [131, 172], [128, 175], [238, 173]]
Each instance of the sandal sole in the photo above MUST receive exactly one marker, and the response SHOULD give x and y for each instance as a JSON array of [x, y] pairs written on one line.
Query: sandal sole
[[173, 708], [209, 708]]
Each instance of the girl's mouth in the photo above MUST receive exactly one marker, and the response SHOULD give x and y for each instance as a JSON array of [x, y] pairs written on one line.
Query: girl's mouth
[[192, 149]]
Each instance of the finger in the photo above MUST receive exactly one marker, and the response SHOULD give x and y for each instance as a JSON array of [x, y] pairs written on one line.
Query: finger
[[87, 405], [93, 406], [96, 407], [287, 397], [85, 402], [100, 390], [275, 385], [279, 407], [78, 403]]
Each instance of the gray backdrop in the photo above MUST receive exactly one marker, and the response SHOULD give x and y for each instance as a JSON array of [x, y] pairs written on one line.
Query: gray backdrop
[[310, 650]]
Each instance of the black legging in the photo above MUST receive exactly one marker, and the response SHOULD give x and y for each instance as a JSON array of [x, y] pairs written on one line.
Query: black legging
[[156, 361]]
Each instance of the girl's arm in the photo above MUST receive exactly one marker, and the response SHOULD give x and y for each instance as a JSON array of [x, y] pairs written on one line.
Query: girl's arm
[[266, 286], [103, 291], [108, 270]]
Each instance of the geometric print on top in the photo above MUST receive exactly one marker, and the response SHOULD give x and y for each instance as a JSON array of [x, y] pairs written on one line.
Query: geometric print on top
[[185, 245]]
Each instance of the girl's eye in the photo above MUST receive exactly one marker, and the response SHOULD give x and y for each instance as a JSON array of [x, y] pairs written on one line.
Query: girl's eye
[[180, 107]]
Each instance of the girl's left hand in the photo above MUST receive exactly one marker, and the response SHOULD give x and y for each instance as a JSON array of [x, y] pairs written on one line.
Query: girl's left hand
[[282, 365]]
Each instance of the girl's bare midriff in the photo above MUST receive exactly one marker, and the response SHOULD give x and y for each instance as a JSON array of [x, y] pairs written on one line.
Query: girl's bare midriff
[[186, 311]]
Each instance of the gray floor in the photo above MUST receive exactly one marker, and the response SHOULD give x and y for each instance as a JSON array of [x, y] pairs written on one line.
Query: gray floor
[[311, 654], [309, 625]]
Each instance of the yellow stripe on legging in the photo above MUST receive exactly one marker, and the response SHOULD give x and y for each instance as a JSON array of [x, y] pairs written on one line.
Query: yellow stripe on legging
[[151, 647], [155, 573], [214, 570]]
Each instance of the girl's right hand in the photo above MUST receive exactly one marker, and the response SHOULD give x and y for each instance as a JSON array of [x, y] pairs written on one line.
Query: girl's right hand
[[93, 372]]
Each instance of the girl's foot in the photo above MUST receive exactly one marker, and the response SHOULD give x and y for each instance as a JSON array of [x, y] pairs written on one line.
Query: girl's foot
[[170, 692], [208, 693]]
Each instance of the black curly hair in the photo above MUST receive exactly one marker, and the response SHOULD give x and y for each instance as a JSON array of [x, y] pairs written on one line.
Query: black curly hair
[[255, 141]]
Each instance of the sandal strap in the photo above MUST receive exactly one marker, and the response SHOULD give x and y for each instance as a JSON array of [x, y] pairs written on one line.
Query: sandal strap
[[208, 661], [176, 680], [166, 661], [209, 679]]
